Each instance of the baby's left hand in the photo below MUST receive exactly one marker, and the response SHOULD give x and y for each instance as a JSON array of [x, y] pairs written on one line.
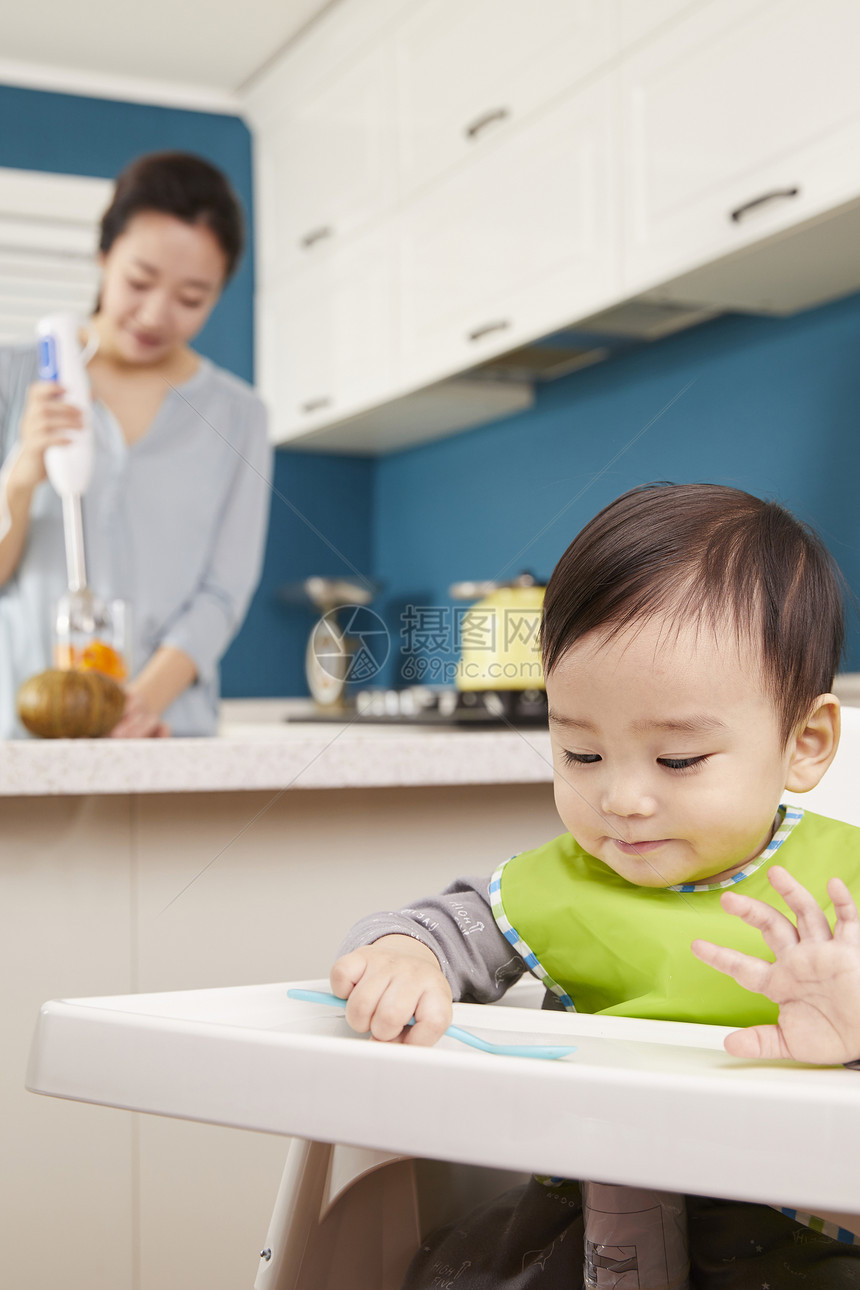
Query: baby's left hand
[[815, 979]]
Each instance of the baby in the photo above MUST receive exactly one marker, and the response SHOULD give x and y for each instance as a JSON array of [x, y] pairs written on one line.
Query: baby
[[690, 638]]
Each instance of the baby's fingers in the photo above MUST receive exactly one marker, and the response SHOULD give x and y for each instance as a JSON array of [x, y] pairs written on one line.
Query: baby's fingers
[[346, 972], [847, 927], [756, 1041], [812, 924], [433, 1013], [778, 931], [749, 972]]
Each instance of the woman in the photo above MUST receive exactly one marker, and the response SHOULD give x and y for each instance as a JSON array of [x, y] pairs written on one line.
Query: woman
[[175, 516]]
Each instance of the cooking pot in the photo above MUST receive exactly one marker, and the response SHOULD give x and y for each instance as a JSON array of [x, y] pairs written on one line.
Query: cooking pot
[[500, 635]]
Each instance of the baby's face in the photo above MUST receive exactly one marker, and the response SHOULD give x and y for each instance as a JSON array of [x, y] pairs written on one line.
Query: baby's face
[[668, 760]]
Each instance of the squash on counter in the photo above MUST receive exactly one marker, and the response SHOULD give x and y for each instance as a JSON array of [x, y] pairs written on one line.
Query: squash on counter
[[60, 704]]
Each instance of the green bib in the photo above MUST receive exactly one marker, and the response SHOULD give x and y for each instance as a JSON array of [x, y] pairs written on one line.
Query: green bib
[[605, 945]]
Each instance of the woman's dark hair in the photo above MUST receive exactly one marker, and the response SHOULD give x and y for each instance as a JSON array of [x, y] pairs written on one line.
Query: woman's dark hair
[[179, 184], [706, 551]]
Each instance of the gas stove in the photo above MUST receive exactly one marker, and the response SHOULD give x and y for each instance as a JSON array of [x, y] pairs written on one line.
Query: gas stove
[[421, 705]]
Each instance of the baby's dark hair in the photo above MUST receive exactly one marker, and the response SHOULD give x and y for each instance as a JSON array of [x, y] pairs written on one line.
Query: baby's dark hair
[[704, 551], [180, 184]]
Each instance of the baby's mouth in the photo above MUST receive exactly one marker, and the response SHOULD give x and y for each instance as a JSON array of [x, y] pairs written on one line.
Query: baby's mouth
[[640, 848]]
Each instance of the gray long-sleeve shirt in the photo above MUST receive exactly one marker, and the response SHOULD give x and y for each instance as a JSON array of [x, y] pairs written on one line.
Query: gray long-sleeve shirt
[[458, 926], [175, 525]]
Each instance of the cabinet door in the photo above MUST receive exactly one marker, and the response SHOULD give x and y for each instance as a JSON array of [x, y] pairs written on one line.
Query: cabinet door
[[333, 40], [637, 21], [467, 72], [326, 165], [326, 336], [514, 246], [740, 121]]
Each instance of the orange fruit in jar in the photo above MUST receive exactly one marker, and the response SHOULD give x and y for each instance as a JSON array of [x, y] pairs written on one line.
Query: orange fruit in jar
[[98, 656]]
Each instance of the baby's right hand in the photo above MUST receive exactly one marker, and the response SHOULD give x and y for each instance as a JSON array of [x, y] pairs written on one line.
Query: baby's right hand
[[389, 982]]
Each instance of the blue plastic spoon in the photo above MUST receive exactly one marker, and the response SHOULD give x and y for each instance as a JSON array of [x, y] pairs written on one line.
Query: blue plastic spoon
[[548, 1052]]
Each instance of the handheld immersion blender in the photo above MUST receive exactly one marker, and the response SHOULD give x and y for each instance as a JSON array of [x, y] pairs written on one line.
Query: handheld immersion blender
[[80, 615]]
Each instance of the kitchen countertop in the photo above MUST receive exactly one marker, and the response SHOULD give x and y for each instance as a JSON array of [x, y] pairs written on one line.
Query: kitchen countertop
[[257, 749]]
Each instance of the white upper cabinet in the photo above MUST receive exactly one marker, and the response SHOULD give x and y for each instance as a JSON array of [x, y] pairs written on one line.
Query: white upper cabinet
[[326, 168], [325, 335], [468, 70], [440, 181], [740, 121], [640, 18], [520, 242]]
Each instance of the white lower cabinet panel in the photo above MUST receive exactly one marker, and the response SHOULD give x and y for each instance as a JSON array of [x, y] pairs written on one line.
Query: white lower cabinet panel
[[67, 1217], [519, 243]]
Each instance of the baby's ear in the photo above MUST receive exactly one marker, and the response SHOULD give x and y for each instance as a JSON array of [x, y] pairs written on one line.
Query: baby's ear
[[815, 745]]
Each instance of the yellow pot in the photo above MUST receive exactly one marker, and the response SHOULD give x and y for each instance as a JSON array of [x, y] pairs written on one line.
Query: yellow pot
[[500, 640]]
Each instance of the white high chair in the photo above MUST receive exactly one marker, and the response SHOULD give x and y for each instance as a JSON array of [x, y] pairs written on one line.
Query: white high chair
[[350, 1217]]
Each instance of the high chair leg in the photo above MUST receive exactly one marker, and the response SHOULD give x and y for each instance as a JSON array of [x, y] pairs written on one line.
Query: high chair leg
[[296, 1215], [344, 1216]]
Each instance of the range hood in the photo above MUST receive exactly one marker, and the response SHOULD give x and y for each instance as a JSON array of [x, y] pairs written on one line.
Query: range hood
[[615, 331], [505, 384]]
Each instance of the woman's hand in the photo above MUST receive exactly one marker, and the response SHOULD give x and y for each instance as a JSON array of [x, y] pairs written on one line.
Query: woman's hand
[[387, 983], [815, 978], [46, 422], [167, 674], [138, 721]]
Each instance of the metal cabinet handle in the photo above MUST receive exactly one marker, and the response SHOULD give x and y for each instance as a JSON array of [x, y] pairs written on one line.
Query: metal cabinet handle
[[316, 235], [502, 325], [480, 123], [738, 214], [315, 405]]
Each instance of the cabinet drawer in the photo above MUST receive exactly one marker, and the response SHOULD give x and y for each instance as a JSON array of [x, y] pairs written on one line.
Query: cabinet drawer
[[327, 167], [520, 243], [734, 125], [326, 336], [468, 72]]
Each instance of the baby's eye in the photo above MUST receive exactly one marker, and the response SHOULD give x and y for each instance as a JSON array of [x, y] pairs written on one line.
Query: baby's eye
[[579, 759], [682, 763]]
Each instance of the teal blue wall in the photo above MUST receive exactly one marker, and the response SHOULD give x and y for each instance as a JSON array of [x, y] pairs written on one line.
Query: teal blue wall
[[72, 134], [769, 405]]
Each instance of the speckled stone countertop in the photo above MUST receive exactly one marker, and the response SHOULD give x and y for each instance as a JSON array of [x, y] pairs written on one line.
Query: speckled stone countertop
[[257, 749]]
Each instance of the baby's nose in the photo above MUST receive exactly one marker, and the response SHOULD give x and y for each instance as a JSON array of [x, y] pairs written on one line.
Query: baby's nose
[[625, 797]]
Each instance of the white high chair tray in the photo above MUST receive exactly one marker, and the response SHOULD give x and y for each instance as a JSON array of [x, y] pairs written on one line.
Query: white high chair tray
[[639, 1102]]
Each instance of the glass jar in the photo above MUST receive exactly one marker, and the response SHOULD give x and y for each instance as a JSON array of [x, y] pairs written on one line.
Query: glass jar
[[93, 635]]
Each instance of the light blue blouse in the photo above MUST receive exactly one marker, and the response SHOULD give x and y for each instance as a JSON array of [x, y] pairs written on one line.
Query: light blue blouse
[[175, 525]]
